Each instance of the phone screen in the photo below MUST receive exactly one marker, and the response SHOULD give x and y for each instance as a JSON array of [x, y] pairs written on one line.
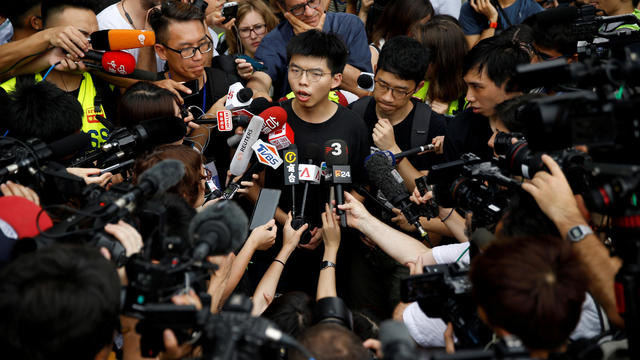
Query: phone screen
[[265, 207]]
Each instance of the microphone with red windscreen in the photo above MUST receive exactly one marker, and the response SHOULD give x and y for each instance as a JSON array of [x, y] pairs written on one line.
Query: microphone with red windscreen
[[274, 118], [120, 39], [113, 62]]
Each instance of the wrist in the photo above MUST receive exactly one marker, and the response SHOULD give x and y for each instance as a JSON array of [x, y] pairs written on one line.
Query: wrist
[[330, 252]]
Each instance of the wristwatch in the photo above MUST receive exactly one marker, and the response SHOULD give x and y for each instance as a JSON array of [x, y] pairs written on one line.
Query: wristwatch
[[326, 264], [578, 233]]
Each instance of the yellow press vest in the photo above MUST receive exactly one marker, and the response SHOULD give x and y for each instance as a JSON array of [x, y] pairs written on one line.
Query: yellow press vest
[[90, 124]]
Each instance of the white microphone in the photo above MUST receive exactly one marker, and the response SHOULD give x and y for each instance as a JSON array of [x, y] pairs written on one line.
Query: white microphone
[[243, 154], [238, 96], [309, 173]]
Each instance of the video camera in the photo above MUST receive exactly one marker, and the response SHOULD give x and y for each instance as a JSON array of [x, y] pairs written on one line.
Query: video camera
[[444, 291]]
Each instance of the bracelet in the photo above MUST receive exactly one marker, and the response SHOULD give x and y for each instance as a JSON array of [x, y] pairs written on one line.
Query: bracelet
[[447, 217], [279, 261], [493, 25], [327, 264]]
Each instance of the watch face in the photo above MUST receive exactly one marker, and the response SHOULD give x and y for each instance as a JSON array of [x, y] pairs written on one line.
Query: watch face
[[576, 232]]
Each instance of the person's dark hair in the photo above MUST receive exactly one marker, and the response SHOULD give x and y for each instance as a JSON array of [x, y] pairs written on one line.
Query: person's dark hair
[[532, 287], [330, 341], [404, 57], [42, 110], [508, 111], [398, 17], [364, 326], [499, 56], [145, 101], [172, 11], [16, 11], [52, 7], [523, 217], [447, 47], [191, 184], [553, 32], [62, 302], [315, 43], [291, 312]]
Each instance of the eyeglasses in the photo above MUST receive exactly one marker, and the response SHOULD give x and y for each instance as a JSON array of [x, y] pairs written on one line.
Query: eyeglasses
[[314, 75], [396, 93], [546, 57], [189, 52], [258, 29], [299, 9]]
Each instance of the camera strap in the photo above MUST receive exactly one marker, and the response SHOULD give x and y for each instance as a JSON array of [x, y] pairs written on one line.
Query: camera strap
[[502, 12]]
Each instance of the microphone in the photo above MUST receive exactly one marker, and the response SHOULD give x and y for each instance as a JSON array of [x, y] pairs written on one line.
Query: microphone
[[394, 158], [155, 180], [120, 39], [226, 121], [283, 137], [308, 173], [153, 132], [114, 62], [365, 81], [241, 158], [218, 230], [336, 155], [274, 118], [389, 181], [56, 150], [238, 96], [397, 343], [256, 106], [291, 174]]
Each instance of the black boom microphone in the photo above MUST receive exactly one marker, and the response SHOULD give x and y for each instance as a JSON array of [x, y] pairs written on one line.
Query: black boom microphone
[[54, 151], [336, 154], [387, 179]]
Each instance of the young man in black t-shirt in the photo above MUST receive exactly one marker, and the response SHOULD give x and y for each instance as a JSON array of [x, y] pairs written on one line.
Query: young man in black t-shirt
[[316, 61], [391, 114]]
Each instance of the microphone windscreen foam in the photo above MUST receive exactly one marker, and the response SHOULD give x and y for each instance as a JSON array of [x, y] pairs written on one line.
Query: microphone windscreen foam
[[164, 130], [365, 81], [70, 144], [336, 152], [275, 114], [163, 175], [222, 218], [118, 62], [120, 39], [258, 105], [245, 94], [310, 151], [380, 174]]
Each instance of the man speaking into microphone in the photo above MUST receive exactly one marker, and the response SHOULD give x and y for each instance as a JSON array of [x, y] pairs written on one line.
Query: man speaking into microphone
[[316, 61]]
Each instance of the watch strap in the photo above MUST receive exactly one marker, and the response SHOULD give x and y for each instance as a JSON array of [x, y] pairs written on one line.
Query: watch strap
[[578, 232], [326, 264]]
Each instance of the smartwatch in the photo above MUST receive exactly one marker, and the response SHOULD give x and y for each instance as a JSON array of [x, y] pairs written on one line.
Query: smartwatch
[[578, 233]]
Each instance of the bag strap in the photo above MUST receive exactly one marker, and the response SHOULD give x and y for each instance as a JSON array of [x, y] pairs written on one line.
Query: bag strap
[[420, 126], [360, 106]]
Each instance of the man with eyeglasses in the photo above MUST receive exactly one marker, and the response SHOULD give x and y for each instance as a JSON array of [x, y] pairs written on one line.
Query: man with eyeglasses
[[303, 15], [183, 41], [391, 113]]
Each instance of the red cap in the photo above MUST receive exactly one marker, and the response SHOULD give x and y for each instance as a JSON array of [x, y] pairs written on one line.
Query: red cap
[[118, 62], [21, 214]]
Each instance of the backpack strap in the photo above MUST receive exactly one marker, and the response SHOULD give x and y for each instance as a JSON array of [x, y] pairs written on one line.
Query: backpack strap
[[360, 106], [420, 126]]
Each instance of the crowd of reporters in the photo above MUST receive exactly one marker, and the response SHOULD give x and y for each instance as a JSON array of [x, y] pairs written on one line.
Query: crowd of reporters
[[319, 179]]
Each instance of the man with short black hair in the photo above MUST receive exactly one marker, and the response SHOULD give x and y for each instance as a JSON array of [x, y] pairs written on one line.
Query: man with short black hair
[[489, 69], [396, 121], [24, 16], [61, 302]]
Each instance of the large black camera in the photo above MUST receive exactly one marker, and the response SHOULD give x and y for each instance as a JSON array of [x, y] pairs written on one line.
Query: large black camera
[[444, 291]]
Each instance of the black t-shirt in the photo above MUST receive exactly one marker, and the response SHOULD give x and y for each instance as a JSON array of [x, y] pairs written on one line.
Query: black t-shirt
[[344, 125], [467, 133], [402, 132]]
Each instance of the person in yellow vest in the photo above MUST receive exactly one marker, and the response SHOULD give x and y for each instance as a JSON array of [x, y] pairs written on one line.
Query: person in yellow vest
[[97, 98]]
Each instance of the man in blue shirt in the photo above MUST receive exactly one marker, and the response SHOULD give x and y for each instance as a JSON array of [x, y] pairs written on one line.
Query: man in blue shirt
[[480, 19], [303, 15]]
